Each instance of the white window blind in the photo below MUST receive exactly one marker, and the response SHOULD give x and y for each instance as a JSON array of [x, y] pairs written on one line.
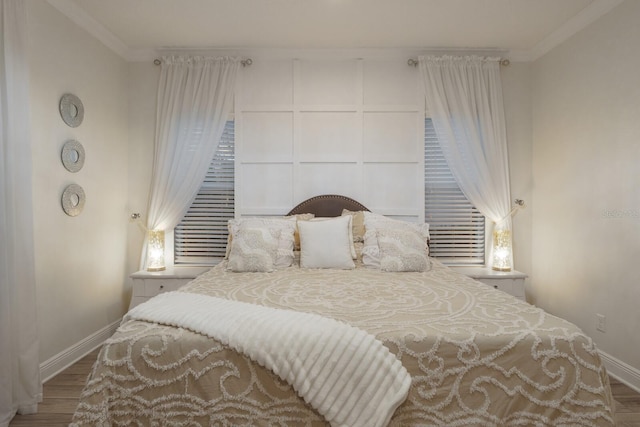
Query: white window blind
[[201, 236], [457, 228]]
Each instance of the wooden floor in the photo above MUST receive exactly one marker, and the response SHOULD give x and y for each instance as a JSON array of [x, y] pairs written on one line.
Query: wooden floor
[[61, 397]]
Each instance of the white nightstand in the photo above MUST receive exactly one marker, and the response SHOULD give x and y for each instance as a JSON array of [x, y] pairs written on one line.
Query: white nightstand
[[147, 284], [511, 282]]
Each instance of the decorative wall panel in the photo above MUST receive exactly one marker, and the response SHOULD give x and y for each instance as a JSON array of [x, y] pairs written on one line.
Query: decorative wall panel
[[306, 127]]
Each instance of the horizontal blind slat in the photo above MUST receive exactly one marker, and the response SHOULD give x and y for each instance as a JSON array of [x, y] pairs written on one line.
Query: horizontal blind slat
[[201, 236], [456, 227]]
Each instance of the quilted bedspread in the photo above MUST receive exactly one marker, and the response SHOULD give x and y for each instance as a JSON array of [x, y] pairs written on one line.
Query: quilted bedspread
[[476, 356]]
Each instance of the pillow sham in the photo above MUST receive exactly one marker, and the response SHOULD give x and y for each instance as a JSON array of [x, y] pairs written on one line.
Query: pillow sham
[[402, 250], [374, 222], [296, 234], [326, 243], [287, 227], [357, 224], [254, 250]]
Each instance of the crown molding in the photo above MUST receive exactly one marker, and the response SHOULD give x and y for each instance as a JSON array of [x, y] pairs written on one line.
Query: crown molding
[[584, 18], [72, 11]]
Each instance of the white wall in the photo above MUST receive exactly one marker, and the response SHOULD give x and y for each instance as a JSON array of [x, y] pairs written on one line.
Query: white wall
[[516, 83], [586, 169], [80, 261], [142, 89]]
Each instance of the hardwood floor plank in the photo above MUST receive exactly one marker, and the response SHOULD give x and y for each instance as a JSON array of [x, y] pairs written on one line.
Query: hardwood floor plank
[[37, 420]]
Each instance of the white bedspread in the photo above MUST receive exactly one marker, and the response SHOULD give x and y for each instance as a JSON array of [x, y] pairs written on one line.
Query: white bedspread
[[346, 374]]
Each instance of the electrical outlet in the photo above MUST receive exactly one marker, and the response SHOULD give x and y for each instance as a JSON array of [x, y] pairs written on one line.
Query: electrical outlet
[[601, 322]]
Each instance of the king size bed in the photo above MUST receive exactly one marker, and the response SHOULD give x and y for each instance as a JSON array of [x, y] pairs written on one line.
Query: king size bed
[[451, 351]]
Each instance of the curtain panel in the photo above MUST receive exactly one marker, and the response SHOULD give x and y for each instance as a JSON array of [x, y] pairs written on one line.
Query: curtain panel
[[195, 96], [20, 384], [464, 100]]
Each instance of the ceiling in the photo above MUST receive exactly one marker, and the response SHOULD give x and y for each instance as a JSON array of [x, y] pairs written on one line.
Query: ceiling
[[525, 29]]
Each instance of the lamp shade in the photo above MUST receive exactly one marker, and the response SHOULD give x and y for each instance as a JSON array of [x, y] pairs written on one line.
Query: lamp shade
[[155, 251]]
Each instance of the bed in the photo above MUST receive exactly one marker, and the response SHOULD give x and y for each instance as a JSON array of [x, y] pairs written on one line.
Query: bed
[[475, 355]]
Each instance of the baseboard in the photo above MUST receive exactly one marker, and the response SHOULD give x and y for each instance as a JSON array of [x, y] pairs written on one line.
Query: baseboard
[[621, 371], [56, 364]]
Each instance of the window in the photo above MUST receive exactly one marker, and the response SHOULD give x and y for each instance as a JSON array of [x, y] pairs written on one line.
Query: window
[[201, 237], [457, 228]]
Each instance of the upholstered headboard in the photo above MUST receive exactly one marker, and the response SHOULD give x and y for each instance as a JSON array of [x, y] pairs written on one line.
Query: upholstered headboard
[[327, 205]]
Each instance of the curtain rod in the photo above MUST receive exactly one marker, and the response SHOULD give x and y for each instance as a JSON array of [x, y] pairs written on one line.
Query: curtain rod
[[503, 61], [244, 62]]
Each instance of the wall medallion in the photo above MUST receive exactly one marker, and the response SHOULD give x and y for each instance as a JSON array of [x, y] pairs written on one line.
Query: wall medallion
[[72, 155], [73, 199], [71, 110]]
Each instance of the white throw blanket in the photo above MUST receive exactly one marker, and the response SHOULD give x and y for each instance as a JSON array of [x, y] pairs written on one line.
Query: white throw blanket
[[343, 372]]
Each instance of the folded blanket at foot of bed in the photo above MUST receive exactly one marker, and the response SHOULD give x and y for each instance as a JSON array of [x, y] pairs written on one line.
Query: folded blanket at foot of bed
[[346, 374]]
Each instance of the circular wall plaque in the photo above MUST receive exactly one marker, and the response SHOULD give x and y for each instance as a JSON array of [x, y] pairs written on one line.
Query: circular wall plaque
[[73, 199], [72, 155], [71, 110]]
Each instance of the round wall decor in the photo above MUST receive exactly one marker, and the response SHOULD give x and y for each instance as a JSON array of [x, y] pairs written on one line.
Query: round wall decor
[[71, 110], [72, 155], [73, 199]]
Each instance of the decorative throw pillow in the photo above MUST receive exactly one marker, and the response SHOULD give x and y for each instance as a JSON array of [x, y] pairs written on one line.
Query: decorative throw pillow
[[357, 224], [374, 222], [402, 250], [254, 250], [326, 243], [287, 227], [296, 235]]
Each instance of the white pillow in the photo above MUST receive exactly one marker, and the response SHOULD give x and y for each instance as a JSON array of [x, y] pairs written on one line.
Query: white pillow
[[326, 243], [254, 250], [287, 227], [374, 222], [402, 250]]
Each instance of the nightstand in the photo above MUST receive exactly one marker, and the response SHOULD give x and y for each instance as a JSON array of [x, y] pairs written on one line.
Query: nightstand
[[147, 284], [511, 282]]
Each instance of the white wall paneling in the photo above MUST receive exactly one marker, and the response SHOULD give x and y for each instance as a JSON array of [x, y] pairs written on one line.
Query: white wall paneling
[[328, 178], [265, 188], [328, 82], [267, 136], [392, 136], [394, 188], [329, 137], [267, 83], [346, 126], [390, 83]]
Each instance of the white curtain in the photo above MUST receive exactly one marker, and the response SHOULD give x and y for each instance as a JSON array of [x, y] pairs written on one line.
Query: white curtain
[[20, 385], [195, 96], [464, 99]]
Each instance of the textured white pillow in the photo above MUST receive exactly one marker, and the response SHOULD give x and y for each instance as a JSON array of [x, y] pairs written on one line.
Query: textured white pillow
[[287, 227], [374, 222], [402, 249], [357, 224], [254, 250], [326, 243]]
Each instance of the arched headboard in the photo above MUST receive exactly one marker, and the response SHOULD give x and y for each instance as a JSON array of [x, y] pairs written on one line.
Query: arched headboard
[[327, 205]]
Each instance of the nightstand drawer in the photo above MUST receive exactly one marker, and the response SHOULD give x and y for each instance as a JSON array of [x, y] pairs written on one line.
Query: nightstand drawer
[[149, 284], [514, 287], [511, 282], [153, 287]]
